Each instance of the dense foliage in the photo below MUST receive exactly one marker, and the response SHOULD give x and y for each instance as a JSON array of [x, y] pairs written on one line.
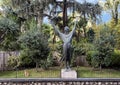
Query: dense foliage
[[9, 33], [104, 44], [36, 44], [22, 29], [115, 59]]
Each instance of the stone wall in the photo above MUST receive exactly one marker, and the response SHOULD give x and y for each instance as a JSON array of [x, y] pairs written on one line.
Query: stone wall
[[60, 81], [81, 61]]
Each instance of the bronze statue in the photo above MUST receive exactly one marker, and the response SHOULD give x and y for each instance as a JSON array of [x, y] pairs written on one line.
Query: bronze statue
[[66, 37]]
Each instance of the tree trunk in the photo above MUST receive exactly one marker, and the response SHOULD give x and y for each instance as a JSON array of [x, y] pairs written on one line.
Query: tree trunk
[[84, 29], [54, 39], [115, 13], [39, 21], [64, 14], [116, 16], [37, 66], [78, 35], [100, 67], [22, 27]]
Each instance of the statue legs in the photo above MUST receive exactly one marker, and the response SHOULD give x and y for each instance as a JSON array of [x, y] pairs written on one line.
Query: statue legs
[[66, 55]]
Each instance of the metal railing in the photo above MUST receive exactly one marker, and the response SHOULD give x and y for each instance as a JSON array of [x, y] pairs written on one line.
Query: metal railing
[[59, 81]]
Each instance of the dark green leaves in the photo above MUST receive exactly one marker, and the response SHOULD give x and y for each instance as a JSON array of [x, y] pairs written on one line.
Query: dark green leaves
[[9, 33]]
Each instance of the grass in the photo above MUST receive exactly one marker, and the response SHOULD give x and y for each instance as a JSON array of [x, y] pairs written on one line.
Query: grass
[[88, 72], [83, 72]]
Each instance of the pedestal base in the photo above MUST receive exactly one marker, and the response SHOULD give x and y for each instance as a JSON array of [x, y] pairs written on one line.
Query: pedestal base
[[68, 73]]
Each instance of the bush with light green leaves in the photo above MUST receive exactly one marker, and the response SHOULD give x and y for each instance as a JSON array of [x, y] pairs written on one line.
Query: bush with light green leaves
[[104, 43], [36, 44]]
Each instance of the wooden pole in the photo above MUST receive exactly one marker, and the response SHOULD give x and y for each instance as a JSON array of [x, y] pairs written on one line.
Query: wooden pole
[[64, 13]]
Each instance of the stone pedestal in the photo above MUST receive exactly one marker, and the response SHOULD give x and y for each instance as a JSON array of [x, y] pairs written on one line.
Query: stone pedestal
[[68, 73]]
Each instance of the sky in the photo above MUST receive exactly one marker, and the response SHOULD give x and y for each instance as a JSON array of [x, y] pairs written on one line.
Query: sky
[[105, 17], [92, 1]]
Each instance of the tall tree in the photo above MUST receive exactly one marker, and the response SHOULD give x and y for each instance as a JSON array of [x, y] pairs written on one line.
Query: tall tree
[[88, 11], [27, 9], [113, 6]]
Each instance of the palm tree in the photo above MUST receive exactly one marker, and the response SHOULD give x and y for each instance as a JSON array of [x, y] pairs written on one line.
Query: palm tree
[[88, 11]]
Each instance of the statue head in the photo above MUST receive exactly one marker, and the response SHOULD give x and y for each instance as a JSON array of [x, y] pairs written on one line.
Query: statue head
[[66, 30]]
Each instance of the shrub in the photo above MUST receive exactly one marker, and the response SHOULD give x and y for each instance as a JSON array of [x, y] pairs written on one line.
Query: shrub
[[79, 49], [83, 48], [90, 55], [104, 44], [115, 59], [13, 62], [47, 62], [26, 60], [90, 35], [36, 44]]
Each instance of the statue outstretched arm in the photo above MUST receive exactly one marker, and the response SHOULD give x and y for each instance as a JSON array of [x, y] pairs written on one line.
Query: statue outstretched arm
[[74, 28], [56, 29]]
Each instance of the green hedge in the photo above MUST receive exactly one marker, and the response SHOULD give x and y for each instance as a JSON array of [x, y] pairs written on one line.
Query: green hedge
[[116, 58], [90, 54]]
